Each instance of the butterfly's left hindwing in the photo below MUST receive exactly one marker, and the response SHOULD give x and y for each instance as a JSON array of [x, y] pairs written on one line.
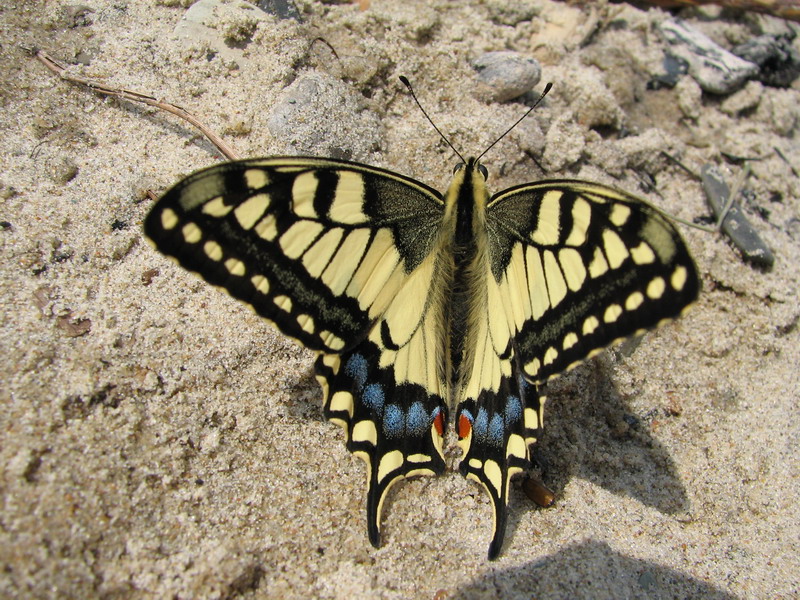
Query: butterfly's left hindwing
[[338, 256]]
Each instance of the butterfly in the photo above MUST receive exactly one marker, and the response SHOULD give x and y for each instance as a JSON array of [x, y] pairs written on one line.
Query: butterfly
[[420, 305]]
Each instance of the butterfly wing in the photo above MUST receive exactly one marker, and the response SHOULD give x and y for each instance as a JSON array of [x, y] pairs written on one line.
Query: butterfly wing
[[337, 255], [580, 266], [572, 268]]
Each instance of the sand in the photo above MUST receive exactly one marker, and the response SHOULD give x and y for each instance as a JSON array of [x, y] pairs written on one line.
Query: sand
[[160, 441]]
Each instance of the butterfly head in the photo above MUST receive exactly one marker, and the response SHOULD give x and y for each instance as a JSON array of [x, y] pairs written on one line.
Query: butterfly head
[[471, 165]]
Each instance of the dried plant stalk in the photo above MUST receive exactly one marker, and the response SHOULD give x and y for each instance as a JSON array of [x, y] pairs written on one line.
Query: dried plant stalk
[[101, 88]]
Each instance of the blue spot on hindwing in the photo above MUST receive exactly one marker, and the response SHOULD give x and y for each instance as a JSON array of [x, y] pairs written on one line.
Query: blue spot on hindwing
[[357, 368], [393, 421], [513, 409], [373, 397], [417, 420], [496, 430], [481, 425]]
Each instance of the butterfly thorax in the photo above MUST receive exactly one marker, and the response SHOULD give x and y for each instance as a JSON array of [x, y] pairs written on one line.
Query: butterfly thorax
[[465, 247]]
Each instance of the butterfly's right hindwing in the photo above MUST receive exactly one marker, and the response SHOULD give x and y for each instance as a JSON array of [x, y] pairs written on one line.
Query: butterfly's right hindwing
[[318, 247]]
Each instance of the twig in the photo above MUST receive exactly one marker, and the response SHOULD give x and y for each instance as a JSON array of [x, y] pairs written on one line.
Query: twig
[[105, 90]]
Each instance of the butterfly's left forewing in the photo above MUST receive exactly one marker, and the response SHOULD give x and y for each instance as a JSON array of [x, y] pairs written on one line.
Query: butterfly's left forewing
[[337, 255], [580, 266]]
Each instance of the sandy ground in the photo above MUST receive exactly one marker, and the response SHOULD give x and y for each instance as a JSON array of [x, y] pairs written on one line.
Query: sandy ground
[[160, 441]]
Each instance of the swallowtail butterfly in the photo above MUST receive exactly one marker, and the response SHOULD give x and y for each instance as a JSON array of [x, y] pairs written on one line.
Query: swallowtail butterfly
[[422, 305]]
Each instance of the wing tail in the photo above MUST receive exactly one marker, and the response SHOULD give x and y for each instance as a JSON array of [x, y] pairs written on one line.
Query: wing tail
[[495, 431], [395, 428]]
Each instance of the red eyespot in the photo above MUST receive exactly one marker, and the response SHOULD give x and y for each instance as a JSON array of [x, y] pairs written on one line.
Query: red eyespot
[[438, 423], [464, 427]]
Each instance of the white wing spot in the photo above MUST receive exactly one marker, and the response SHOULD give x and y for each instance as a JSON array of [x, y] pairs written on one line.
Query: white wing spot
[[598, 266], [547, 224], [531, 419], [213, 250], [261, 283], [319, 256], [256, 178], [678, 279], [556, 286], [342, 402], [389, 462], [251, 210], [615, 248], [169, 219], [643, 254], [516, 446], [306, 323], [191, 233], [365, 431], [634, 301], [574, 269], [348, 201], [299, 237], [612, 313], [418, 458], [655, 289], [283, 302], [304, 189], [332, 341], [619, 214], [532, 368], [267, 228], [589, 325], [550, 356], [235, 267], [216, 207], [569, 341], [581, 220], [493, 473]]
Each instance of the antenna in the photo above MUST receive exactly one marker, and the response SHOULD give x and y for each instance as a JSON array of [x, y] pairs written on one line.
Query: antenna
[[407, 83], [541, 97]]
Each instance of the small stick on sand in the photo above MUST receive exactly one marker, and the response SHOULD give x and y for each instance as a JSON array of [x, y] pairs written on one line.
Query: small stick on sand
[[101, 88]]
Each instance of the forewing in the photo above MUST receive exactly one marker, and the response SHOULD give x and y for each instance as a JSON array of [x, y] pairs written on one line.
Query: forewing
[[316, 246], [580, 266]]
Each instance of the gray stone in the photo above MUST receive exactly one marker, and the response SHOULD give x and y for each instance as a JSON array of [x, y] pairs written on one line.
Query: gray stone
[[506, 75], [735, 225], [714, 68], [319, 115]]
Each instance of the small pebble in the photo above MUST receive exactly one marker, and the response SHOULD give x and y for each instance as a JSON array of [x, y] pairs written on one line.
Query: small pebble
[[735, 226], [506, 75], [778, 60], [674, 68], [714, 68], [283, 9], [747, 98], [318, 114]]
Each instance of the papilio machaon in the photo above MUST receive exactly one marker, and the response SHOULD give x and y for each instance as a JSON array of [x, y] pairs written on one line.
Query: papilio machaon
[[417, 302]]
